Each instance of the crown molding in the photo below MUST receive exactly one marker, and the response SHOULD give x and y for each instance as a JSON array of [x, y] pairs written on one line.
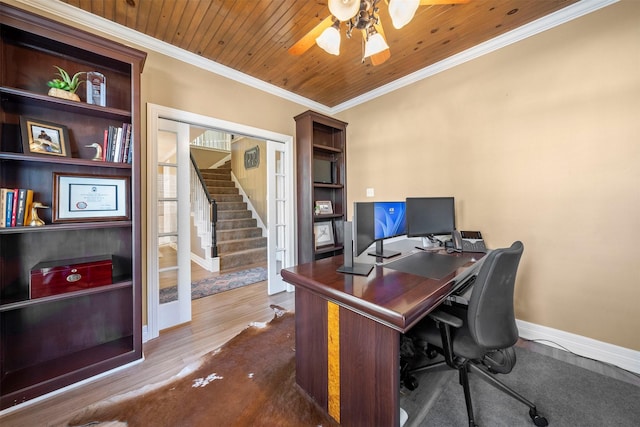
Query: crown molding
[[555, 19], [80, 17]]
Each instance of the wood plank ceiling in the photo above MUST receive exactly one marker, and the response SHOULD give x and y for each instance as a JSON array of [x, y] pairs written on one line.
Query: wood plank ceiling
[[253, 36]]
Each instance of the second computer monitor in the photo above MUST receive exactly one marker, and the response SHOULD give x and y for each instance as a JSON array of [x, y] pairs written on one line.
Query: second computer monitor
[[430, 216]]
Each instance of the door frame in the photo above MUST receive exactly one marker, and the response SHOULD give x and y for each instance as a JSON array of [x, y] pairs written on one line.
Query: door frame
[[156, 112]]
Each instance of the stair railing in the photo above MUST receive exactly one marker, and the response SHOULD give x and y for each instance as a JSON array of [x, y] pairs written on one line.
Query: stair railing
[[204, 206]]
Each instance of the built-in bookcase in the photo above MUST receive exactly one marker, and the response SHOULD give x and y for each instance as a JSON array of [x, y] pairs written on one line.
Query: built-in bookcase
[[52, 341], [320, 144]]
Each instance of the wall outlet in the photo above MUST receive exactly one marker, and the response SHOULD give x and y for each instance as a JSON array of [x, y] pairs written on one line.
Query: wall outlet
[[370, 192]]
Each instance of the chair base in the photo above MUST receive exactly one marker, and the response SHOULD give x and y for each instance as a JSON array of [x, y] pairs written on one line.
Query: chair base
[[537, 419], [411, 383]]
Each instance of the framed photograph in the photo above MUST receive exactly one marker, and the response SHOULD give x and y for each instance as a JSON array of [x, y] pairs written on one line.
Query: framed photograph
[[324, 207], [81, 198], [40, 137], [323, 233]]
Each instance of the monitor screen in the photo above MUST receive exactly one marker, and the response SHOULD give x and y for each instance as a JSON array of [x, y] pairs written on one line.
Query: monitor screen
[[430, 216], [375, 221], [389, 219]]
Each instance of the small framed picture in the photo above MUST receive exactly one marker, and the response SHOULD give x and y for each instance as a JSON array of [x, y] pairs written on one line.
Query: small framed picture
[[40, 137], [80, 198], [324, 207], [323, 233]]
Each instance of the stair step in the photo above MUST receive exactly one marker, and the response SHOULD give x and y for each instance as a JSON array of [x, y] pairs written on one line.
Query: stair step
[[239, 259], [224, 214], [224, 198], [241, 245], [238, 233], [213, 183], [222, 190], [214, 172], [231, 224], [231, 206]]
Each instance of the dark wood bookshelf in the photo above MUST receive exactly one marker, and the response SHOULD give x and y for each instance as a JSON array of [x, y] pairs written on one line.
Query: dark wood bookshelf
[[57, 340], [319, 137]]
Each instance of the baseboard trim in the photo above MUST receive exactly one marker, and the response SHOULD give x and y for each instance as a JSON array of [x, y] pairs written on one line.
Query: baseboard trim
[[604, 352], [212, 264]]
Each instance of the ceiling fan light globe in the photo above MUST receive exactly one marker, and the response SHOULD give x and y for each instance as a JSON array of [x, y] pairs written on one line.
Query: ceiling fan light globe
[[402, 11], [375, 44], [344, 10], [329, 40]]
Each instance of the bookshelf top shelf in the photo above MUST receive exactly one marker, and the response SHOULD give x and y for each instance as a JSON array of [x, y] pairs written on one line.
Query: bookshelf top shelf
[[14, 94]]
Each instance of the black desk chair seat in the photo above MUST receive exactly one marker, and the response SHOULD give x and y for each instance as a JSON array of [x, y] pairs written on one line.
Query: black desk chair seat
[[477, 338]]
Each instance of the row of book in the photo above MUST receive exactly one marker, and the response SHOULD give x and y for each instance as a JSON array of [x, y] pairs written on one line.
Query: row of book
[[117, 144], [16, 207]]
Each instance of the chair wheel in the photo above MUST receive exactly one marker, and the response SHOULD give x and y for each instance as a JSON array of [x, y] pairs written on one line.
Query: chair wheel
[[431, 352], [538, 420], [411, 382]]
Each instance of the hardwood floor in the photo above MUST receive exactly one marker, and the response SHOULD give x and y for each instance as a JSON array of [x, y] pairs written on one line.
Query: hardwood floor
[[216, 319]]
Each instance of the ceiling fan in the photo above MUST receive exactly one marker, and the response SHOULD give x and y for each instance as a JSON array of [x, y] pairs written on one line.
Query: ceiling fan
[[361, 15]]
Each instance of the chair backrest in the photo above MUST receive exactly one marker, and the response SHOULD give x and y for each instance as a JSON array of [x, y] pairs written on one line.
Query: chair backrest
[[491, 319]]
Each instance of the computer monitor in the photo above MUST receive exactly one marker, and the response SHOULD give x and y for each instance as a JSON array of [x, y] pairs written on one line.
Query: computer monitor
[[363, 226], [375, 222], [430, 216]]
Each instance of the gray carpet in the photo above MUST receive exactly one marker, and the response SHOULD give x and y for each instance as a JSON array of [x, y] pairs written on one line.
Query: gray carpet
[[565, 394]]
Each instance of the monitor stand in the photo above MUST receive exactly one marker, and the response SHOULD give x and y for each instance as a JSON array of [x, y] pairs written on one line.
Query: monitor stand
[[381, 253], [358, 268], [430, 243]]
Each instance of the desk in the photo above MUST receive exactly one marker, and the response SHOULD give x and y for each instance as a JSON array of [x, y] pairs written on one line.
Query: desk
[[348, 333]]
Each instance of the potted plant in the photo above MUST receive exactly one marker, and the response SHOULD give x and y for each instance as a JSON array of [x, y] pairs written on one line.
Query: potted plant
[[65, 86]]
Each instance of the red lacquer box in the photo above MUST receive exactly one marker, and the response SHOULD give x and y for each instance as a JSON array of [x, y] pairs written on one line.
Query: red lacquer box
[[57, 277]]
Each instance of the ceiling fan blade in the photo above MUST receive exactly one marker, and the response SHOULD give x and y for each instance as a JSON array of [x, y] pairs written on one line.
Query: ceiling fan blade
[[432, 2], [380, 57], [306, 42]]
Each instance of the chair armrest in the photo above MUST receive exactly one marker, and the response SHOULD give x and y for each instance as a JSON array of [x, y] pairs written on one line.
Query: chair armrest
[[447, 318]]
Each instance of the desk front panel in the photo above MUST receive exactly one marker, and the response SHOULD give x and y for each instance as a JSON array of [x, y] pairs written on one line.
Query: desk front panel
[[355, 380]]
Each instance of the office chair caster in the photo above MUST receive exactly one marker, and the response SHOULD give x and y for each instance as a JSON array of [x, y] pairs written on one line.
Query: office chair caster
[[537, 419], [410, 382], [431, 352]]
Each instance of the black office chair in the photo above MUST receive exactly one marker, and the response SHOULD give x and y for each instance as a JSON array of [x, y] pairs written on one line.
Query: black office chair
[[477, 338]]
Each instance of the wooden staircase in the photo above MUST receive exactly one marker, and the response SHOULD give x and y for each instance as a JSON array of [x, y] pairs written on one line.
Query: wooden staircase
[[240, 241]]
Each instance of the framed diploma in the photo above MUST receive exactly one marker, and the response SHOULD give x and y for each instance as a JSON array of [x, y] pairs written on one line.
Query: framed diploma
[[81, 198]]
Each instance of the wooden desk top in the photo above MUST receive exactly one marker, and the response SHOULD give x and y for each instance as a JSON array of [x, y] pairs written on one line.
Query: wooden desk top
[[390, 297]]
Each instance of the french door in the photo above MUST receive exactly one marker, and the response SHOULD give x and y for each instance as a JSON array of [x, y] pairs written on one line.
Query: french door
[[280, 223], [168, 227], [172, 232]]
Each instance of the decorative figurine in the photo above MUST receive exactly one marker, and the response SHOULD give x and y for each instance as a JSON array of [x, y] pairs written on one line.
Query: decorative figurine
[[35, 219], [98, 155]]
